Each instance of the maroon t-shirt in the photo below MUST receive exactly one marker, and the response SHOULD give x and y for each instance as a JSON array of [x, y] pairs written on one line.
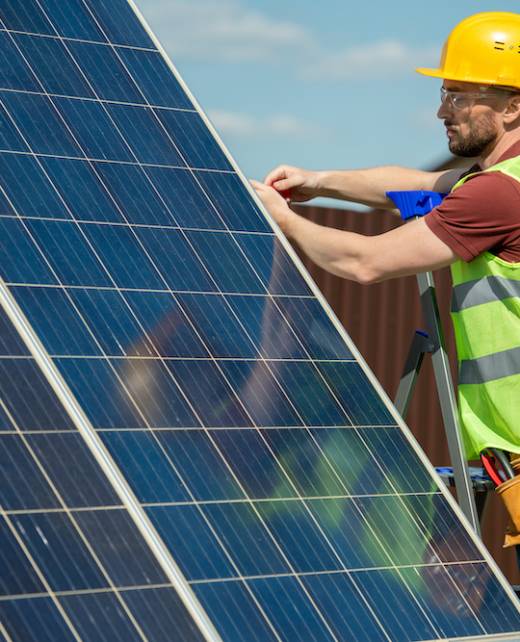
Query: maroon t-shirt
[[483, 214]]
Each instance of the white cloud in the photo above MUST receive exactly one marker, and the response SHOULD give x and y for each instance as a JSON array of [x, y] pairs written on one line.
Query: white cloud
[[223, 30], [245, 126], [380, 58], [232, 123], [228, 31]]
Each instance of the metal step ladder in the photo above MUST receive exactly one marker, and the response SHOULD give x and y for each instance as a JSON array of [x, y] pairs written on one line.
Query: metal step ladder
[[469, 484]]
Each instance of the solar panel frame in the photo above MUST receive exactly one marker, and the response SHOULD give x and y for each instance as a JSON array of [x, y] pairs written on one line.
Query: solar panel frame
[[102, 455]]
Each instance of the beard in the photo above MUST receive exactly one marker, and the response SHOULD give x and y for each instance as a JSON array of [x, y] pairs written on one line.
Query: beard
[[481, 133]]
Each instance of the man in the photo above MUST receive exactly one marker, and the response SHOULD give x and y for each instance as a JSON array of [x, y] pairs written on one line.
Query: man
[[476, 229]]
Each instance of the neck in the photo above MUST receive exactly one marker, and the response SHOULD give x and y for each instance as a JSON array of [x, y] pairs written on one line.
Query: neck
[[497, 148]]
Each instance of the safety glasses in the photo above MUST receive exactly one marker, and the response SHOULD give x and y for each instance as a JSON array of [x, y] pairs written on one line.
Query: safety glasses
[[462, 99]]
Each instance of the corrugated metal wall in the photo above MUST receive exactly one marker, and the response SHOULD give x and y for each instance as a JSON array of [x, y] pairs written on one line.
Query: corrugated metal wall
[[381, 319]]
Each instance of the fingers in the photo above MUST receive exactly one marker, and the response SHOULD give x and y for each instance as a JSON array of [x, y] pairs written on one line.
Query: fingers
[[267, 194], [283, 191], [286, 184], [289, 181], [260, 188], [275, 174]]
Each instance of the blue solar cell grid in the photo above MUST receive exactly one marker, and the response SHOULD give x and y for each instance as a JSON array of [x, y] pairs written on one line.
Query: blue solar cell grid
[[250, 436]]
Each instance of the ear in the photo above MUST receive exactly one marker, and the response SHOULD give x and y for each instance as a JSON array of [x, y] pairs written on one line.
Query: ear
[[511, 113]]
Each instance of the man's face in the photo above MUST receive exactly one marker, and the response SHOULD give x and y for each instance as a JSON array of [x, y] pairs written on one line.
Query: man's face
[[471, 117]]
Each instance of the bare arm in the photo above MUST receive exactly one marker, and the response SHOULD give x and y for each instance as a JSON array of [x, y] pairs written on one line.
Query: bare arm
[[408, 249], [367, 186]]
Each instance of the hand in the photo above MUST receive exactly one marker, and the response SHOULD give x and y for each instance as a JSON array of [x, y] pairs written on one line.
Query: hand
[[275, 204], [293, 183]]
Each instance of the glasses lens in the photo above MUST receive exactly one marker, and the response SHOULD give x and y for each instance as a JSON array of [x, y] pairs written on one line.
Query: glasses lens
[[463, 99], [456, 99]]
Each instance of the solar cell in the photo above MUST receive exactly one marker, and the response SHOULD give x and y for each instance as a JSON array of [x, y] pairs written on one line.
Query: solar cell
[[190, 447]]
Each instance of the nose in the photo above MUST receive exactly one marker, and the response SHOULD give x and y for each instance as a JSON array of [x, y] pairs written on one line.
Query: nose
[[444, 109]]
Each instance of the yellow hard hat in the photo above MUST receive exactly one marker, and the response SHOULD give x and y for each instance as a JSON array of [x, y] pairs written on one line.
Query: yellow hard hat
[[484, 48]]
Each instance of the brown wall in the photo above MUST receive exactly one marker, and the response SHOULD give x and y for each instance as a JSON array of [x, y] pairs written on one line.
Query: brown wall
[[381, 319]]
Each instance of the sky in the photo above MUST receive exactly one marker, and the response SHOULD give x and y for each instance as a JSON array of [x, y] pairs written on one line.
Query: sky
[[320, 85]]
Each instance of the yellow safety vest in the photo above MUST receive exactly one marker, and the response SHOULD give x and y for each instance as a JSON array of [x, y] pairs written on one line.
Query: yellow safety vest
[[486, 318]]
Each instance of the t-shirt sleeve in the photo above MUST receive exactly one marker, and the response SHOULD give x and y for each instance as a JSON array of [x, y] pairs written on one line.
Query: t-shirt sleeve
[[483, 214]]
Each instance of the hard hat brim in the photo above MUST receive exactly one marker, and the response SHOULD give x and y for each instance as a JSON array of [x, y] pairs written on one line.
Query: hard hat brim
[[441, 73], [434, 73]]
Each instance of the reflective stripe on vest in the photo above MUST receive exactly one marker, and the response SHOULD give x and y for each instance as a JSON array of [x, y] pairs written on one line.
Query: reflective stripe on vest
[[472, 293], [493, 366], [486, 319]]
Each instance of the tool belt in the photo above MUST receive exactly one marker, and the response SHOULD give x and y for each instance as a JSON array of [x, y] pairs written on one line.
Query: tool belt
[[509, 491]]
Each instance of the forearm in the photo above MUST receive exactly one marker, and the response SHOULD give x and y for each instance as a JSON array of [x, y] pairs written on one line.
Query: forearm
[[369, 186], [404, 250], [336, 251]]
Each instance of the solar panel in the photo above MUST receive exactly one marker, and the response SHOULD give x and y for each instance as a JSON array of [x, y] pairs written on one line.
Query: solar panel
[[191, 447]]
